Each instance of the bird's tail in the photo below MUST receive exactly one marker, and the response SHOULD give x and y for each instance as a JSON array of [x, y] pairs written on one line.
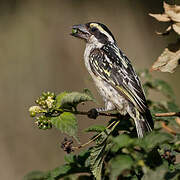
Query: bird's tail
[[144, 122]]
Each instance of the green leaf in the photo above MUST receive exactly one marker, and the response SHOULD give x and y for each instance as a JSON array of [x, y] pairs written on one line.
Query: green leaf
[[89, 93], [98, 153], [96, 159], [69, 158], [121, 141], [158, 173], [95, 128], [34, 175], [164, 88], [66, 123], [119, 164], [83, 159], [60, 171], [74, 98], [172, 107], [59, 98], [153, 140], [75, 164]]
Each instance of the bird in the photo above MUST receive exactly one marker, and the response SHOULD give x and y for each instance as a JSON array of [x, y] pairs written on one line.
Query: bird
[[114, 75]]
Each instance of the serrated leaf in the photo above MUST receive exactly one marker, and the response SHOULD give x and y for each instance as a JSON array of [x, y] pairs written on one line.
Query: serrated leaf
[[34, 175], [59, 98], [74, 98], [119, 164], [95, 128], [121, 141], [153, 140], [66, 123], [96, 160], [98, 153]]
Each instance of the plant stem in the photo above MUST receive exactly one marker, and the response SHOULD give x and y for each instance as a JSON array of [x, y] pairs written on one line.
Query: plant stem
[[168, 114], [113, 125]]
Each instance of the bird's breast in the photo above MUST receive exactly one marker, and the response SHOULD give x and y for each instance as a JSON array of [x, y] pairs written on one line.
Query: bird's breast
[[88, 50]]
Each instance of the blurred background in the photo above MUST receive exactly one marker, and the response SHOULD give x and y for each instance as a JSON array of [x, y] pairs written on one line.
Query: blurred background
[[38, 54]]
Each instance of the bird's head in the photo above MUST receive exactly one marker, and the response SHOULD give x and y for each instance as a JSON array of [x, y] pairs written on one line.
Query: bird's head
[[93, 32]]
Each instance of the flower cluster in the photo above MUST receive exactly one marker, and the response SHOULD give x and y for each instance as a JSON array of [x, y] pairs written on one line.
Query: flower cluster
[[43, 122], [45, 104]]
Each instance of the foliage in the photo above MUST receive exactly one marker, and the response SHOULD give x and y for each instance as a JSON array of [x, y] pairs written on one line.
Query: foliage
[[117, 153], [169, 59]]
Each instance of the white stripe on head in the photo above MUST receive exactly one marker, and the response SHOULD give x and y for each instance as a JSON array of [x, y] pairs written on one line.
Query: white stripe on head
[[102, 31]]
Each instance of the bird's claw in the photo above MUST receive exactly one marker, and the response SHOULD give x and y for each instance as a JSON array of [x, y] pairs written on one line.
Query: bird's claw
[[93, 113]]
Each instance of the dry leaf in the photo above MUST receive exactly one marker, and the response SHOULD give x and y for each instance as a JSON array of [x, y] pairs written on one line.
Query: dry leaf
[[166, 32], [172, 11], [167, 61], [176, 28], [171, 14], [161, 17]]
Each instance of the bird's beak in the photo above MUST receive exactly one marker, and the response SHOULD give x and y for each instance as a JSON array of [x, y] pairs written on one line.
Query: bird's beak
[[80, 31]]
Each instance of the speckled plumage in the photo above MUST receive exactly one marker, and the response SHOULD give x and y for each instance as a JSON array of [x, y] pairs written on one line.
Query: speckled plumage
[[114, 76]]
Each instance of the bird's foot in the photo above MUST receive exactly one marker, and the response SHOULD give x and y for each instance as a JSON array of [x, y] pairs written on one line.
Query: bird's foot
[[93, 113]]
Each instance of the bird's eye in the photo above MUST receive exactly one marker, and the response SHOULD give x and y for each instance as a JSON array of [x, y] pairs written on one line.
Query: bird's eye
[[93, 29]]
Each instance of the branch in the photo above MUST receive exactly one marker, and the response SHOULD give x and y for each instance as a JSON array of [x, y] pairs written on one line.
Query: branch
[[168, 114], [118, 115], [67, 145], [168, 129], [113, 124], [87, 113]]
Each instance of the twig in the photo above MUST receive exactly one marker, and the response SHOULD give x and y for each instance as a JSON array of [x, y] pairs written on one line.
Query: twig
[[59, 111], [168, 114], [100, 114], [113, 124], [168, 129], [118, 115]]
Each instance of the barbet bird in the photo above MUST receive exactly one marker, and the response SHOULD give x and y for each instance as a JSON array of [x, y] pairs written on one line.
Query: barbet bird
[[114, 75]]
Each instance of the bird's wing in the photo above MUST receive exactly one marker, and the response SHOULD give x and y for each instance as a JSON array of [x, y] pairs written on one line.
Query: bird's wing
[[112, 66]]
